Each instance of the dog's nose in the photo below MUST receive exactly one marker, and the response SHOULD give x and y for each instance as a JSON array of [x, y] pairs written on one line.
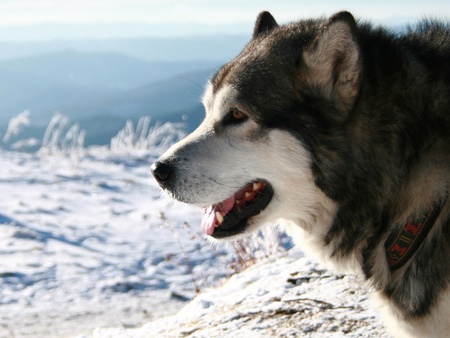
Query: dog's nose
[[161, 171]]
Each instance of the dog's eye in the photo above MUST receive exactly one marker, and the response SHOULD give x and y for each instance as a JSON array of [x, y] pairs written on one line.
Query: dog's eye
[[235, 116]]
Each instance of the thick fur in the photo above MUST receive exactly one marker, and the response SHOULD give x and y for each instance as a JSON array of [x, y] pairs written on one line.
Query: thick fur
[[350, 124]]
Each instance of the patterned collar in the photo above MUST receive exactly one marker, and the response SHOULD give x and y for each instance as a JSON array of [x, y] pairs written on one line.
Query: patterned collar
[[403, 243]]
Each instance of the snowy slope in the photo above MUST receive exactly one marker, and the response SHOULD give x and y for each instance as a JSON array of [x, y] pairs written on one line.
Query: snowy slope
[[288, 296], [86, 241]]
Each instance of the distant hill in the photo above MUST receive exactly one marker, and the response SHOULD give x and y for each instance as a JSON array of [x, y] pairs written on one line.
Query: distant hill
[[99, 84], [177, 99], [156, 99], [85, 84], [106, 71], [216, 48], [100, 91]]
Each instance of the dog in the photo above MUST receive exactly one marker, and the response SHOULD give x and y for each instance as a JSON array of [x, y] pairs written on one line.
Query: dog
[[340, 131]]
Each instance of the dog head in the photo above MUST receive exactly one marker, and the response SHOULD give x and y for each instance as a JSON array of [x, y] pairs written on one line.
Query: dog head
[[251, 160]]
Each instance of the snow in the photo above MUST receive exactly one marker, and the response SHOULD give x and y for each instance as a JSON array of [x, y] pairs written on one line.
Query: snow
[[89, 242], [16, 124], [284, 296], [88, 248]]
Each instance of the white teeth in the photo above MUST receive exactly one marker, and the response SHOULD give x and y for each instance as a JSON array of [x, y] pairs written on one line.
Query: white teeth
[[247, 195], [219, 218], [238, 202], [257, 186]]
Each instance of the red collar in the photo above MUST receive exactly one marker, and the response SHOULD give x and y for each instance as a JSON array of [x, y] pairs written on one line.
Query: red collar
[[402, 244]]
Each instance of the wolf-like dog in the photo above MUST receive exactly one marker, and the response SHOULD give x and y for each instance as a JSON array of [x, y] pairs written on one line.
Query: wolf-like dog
[[339, 130]]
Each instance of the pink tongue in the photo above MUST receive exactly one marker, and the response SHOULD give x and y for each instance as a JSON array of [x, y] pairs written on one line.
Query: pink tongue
[[209, 214]]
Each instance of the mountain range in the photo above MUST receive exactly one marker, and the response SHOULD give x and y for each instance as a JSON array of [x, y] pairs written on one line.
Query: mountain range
[[173, 49], [100, 88]]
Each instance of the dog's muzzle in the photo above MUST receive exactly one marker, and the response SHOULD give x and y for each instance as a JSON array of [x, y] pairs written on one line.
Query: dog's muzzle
[[229, 217]]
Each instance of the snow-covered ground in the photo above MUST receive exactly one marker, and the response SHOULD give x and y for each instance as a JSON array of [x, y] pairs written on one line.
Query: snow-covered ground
[[284, 296], [87, 243]]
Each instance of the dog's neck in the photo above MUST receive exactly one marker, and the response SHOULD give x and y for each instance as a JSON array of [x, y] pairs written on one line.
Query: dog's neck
[[403, 242]]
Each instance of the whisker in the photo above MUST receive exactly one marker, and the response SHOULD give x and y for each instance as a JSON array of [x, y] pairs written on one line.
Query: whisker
[[221, 184]]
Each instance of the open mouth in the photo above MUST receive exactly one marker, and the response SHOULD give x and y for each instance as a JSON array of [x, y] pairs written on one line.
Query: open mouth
[[230, 217]]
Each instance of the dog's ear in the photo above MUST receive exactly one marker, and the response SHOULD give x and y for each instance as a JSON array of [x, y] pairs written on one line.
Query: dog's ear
[[264, 23], [333, 65]]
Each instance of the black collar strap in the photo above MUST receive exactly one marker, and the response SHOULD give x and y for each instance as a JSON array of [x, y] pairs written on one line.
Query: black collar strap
[[403, 243]]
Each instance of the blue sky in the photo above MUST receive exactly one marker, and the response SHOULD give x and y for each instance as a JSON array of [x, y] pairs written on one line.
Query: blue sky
[[180, 17]]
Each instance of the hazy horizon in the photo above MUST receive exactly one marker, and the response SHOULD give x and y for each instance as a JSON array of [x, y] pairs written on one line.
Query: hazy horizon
[[28, 21]]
